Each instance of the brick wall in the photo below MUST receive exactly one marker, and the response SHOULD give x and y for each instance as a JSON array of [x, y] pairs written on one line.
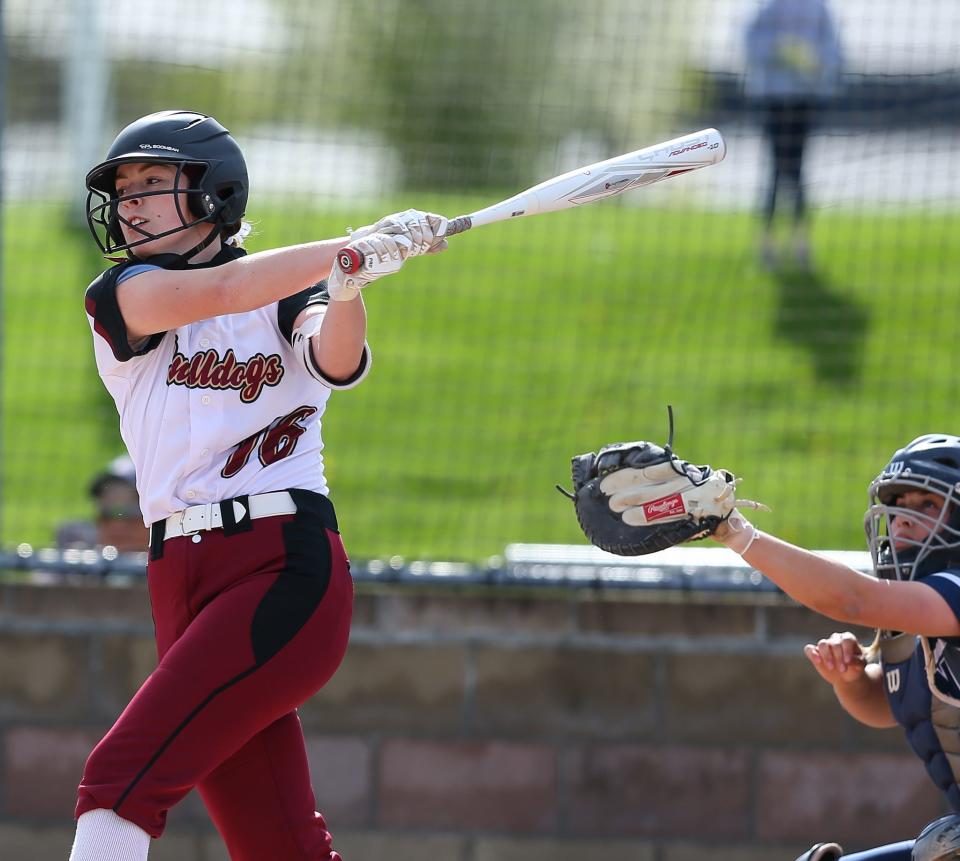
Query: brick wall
[[470, 725]]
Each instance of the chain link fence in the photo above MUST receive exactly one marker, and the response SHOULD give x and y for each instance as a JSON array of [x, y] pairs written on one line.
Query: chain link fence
[[799, 357]]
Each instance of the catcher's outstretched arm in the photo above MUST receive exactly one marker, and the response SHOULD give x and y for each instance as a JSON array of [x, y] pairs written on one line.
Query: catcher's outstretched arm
[[829, 587]]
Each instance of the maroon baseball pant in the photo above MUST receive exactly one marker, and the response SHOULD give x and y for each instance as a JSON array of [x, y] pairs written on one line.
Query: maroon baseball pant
[[248, 626]]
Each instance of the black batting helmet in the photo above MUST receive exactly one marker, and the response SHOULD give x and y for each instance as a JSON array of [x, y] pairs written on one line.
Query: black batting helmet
[[201, 149]]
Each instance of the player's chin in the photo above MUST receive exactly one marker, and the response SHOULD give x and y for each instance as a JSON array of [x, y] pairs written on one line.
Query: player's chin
[[143, 246]]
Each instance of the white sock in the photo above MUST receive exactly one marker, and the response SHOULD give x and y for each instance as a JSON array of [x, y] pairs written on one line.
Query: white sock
[[104, 836]]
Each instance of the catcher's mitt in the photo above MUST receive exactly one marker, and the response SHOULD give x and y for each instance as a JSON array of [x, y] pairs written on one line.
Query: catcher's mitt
[[635, 498]]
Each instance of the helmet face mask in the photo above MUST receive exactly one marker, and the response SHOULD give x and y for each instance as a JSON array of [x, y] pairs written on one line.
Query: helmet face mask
[[201, 149], [106, 222], [929, 464]]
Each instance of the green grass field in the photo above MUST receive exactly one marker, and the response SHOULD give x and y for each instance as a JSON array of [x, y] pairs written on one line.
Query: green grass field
[[530, 342]]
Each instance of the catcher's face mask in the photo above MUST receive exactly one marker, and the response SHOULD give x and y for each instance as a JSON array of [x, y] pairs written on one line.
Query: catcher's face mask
[[913, 522]]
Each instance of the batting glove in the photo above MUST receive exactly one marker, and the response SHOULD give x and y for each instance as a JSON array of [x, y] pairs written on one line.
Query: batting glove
[[424, 229], [383, 254]]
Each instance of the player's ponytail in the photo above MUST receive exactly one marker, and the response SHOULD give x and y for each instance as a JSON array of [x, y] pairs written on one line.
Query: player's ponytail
[[234, 234]]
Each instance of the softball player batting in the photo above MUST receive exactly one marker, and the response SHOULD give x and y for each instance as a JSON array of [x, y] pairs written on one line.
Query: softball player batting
[[220, 364]]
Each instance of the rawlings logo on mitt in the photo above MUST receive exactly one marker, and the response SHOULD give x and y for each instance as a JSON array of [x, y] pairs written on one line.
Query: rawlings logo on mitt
[[635, 498]]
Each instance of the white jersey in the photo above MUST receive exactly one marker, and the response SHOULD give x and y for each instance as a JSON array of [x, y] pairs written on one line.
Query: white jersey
[[218, 408]]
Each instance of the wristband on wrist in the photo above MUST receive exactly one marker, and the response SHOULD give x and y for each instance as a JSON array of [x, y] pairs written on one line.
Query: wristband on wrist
[[754, 533], [741, 534]]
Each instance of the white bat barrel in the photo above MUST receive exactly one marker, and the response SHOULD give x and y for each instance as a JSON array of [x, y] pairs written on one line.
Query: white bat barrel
[[591, 183], [611, 177]]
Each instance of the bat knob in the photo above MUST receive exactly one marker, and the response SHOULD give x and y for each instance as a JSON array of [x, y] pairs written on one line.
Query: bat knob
[[349, 260]]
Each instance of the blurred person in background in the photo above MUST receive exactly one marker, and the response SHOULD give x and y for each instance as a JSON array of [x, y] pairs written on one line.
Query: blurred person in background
[[118, 521], [794, 62], [909, 675], [221, 365]]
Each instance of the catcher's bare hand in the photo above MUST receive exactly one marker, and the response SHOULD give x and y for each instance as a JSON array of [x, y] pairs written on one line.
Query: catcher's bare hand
[[838, 659]]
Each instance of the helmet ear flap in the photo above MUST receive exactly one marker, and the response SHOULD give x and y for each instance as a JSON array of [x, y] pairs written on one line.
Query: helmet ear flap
[[201, 204], [225, 202], [232, 205]]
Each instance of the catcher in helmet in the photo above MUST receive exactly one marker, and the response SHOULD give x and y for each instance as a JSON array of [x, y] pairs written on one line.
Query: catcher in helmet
[[910, 674], [637, 498], [221, 364]]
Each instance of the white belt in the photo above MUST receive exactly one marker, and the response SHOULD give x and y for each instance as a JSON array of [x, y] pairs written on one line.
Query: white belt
[[199, 518]]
